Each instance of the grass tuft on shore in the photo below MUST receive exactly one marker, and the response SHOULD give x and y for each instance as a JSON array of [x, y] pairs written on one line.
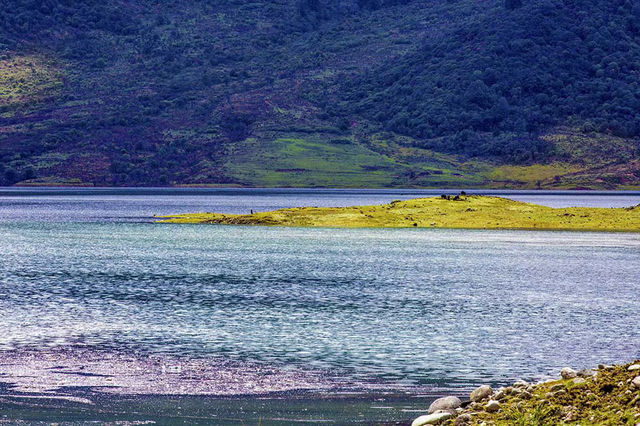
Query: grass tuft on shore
[[606, 396], [464, 212]]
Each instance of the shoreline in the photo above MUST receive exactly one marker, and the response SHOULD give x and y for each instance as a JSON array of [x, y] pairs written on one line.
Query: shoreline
[[451, 212], [608, 395], [499, 186]]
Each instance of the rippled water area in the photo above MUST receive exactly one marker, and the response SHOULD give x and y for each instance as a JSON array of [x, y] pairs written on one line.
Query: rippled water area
[[106, 316]]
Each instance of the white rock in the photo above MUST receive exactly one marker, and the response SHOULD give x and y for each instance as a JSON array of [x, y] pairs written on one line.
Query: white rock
[[431, 419], [492, 406], [634, 367], [520, 384], [568, 373], [636, 382], [481, 393], [578, 381], [446, 403]]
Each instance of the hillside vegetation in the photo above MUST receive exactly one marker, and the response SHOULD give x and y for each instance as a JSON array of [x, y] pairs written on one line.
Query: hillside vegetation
[[522, 94]]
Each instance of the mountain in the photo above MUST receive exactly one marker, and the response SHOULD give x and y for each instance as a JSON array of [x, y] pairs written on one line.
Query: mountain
[[360, 93]]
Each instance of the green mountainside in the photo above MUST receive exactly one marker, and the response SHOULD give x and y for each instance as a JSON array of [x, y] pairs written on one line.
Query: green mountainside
[[345, 93]]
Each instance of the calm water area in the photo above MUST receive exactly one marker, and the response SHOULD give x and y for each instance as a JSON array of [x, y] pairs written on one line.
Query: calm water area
[[107, 316]]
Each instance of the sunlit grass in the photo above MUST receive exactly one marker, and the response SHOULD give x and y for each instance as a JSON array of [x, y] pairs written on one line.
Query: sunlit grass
[[469, 212], [26, 78]]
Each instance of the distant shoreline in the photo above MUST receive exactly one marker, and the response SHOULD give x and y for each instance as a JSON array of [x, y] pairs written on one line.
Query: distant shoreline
[[474, 188], [457, 212]]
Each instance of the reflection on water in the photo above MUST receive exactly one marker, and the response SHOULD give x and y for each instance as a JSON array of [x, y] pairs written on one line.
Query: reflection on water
[[402, 307], [269, 410]]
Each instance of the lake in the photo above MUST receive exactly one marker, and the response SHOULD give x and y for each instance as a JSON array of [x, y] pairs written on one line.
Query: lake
[[272, 325]]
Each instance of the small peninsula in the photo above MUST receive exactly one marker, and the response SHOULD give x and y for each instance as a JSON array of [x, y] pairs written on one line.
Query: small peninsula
[[460, 211]]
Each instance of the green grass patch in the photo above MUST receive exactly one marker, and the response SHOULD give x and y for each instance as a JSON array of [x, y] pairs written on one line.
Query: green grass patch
[[532, 174], [308, 162], [25, 79], [465, 212]]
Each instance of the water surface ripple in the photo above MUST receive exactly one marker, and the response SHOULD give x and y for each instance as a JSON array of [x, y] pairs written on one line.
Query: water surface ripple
[[403, 308]]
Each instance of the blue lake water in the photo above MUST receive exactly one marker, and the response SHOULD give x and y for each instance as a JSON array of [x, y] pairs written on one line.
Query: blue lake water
[[91, 289], [140, 204]]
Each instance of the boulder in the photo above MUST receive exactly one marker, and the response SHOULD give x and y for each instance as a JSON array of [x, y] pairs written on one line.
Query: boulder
[[431, 419], [636, 382], [463, 419], [568, 373], [499, 396], [446, 403], [578, 381], [483, 392], [492, 406], [634, 367], [520, 384], [586, 373]]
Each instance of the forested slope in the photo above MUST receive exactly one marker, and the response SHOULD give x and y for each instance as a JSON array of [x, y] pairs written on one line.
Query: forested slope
[[538, 93]]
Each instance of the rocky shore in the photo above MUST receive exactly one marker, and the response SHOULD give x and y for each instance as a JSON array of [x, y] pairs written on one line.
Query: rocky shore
[[608, 395]]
